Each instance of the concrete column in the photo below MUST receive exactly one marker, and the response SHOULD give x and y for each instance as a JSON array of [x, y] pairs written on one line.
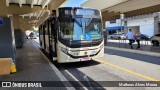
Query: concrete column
[[3, 8], [19, 37], [121, 21], [16, 22], [156, 27], [104, 22]]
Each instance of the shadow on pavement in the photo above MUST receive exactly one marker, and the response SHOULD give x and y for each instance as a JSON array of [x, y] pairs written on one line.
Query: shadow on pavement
[[149, 59], [83, 79]]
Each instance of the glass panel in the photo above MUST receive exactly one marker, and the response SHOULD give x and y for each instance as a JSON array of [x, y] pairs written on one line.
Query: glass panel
[[87, 12], [81, 29], [78, 31], [94, 29], [66, 31]]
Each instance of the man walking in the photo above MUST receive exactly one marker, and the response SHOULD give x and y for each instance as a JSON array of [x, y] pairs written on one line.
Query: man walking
[[105, 37], [130, 37], [138, 38]]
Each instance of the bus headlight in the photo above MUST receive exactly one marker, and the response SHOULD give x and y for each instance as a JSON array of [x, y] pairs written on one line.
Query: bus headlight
[[64, 50]]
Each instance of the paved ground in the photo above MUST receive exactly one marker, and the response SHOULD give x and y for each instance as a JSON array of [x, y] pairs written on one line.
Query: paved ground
[[32, 66], [115, 66]]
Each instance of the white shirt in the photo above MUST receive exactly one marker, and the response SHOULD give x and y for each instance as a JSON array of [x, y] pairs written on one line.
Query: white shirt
[[130, 35]]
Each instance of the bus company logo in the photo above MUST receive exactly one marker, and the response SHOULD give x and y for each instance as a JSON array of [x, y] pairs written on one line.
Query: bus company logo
[[6, 84], [85, 53]]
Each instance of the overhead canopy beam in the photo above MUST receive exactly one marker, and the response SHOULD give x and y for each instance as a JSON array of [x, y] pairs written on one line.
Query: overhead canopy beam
[[43, 18], [24, 27], [131, 5], [20, 9], [32, 3], [109, 15], [14, 9], [3, 6], [27, 24], [45, 3], [139, 4], [142, 11], [27, 18], [30, 15], [20, 3], [7, 3], [39, 2], [23, 17], [39, 14], [114, 5], [35, 14], [56, 3]]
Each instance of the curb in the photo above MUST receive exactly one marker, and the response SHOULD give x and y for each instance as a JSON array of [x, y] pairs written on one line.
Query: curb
[[59, 74], [135, 51]]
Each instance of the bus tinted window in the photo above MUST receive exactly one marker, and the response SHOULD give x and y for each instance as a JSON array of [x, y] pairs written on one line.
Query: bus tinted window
[[65, 12]]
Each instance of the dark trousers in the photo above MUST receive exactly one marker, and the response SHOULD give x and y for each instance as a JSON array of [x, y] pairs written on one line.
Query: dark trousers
[[138, 43], [105, 41], [130, 43]]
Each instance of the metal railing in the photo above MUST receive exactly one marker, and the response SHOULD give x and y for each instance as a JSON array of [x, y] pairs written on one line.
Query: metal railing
[[146, 45]]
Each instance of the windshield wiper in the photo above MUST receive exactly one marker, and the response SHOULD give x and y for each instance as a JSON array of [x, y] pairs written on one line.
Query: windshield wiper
[[89, 21], [79, 23]]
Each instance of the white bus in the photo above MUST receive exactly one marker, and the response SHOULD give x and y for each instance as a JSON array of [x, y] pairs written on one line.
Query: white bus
[[73, 34]]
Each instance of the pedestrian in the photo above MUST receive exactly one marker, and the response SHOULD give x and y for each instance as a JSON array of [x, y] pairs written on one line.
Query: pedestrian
[[105, 37], [138, 38], [31, 35], [130, 37]]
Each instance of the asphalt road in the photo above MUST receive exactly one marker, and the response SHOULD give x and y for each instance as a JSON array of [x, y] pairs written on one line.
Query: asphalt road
[[114, 66]]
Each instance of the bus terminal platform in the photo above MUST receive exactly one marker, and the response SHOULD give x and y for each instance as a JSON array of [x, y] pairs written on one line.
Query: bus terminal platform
[[32, 65], [122, 45]]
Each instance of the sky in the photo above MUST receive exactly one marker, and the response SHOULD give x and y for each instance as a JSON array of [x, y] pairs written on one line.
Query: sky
[[73, 3]]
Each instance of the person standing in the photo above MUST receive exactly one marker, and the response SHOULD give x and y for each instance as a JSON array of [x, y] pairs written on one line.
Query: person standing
[[31, 35], [130, 37], [138, 38], [105, 37]]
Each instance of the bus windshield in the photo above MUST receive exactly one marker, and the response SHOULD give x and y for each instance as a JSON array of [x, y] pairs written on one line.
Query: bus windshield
[[81, 29]]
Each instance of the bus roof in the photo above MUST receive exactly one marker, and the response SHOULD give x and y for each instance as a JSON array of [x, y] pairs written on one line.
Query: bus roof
[[76, 8]]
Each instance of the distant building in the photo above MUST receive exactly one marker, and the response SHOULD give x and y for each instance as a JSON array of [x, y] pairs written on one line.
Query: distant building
[[115, 26], [147, 24]]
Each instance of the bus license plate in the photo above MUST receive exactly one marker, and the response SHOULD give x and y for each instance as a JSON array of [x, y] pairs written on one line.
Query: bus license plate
[[85, 59]]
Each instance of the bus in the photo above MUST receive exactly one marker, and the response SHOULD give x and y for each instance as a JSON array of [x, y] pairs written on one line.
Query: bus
[[73, 34]]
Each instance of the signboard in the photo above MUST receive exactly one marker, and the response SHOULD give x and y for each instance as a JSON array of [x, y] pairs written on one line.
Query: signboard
[[87, 12], [1, 21]]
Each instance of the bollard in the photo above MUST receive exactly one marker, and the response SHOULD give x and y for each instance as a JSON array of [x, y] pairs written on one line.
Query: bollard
[[13, 68]]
